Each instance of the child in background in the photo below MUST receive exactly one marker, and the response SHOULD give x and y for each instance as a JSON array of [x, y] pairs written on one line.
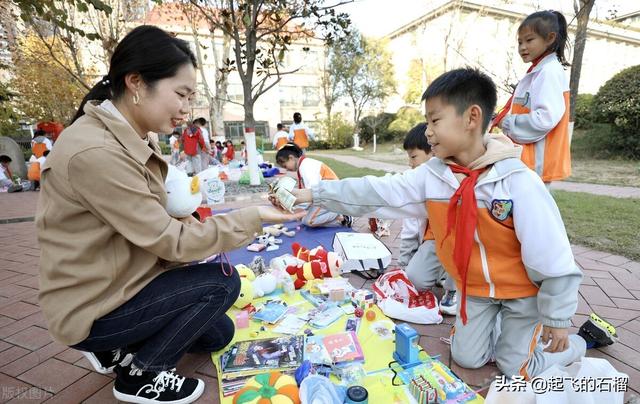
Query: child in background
[[243, 152], [310, 172], [174, 145], [299, 133], [417, 246], [229, 152], [6, 176], [537, 115], [498, 233], [280, 138]]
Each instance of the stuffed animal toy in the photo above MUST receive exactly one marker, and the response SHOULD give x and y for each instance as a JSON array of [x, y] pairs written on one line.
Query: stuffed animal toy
[[245, 272], [268, 388], [300, 252], [280, 264], [264, 284], [329, 258], [246, 295], [183, 193], [277, 230], [306, 271]]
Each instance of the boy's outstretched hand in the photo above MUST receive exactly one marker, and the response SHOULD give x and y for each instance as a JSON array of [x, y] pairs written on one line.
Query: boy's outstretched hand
[[559, 338]]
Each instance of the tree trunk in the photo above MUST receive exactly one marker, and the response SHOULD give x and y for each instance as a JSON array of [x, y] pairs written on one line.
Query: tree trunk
[[578, 52], [250, 141]]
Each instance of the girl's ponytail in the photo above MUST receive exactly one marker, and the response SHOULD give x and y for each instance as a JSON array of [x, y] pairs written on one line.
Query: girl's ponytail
[[100, 92], [561, 38]]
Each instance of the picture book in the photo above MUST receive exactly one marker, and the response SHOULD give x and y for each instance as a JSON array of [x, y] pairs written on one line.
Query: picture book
[[337, 349], [271, 312], [263, 355]]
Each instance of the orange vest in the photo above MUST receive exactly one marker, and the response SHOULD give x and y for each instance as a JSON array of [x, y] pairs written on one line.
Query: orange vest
[[495, 260], [281, 142], [33, 174], [300, 138], [38, 149], [557, 147]]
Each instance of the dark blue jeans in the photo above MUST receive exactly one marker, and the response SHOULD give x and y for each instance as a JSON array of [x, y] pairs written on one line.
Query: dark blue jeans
[[181, 310]]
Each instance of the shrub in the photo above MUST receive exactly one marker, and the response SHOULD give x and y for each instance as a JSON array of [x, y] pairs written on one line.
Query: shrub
[[584, 111], [381, 124], [618, 104], [165, 148], [406, 118], [339, 134]]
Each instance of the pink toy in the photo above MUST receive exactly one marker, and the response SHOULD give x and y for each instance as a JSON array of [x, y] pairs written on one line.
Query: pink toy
[[242, 319]]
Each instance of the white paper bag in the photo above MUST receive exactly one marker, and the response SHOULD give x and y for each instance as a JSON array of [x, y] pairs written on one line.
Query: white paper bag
[[596, 370], [361, 252]]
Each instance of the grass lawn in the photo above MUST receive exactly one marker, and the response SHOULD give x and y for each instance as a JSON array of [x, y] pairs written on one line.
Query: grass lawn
[[601, 222], [607, 172]]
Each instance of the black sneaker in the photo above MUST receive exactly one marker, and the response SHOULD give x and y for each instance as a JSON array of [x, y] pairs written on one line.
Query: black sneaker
[[133, 385], [347, 221], [105, 362], [597, 332]]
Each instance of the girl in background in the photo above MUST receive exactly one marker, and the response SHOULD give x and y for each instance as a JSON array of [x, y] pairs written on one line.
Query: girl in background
[[537, 115]]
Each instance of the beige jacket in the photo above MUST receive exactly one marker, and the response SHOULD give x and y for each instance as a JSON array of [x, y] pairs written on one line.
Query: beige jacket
[[103, 230]]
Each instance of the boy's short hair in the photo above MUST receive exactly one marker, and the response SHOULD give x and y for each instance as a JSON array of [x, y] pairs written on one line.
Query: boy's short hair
[[200, 121], [416, 138], [463, 88], [5, 159], [280, 126]]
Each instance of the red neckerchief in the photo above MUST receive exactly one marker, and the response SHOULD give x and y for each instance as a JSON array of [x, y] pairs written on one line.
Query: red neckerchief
[[465, 226], [507, 106], [300, 185]]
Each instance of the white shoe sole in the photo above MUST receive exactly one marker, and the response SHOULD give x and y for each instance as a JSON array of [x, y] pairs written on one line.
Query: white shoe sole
[[96, 365], [127, 398]]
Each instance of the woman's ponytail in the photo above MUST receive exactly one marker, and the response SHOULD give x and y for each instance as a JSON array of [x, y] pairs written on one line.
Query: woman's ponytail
[[100, 92]]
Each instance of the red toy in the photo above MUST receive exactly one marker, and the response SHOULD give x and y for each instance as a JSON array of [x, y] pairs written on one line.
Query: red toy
[[304, 272], [331, 260], [358, 312], [371, 315]]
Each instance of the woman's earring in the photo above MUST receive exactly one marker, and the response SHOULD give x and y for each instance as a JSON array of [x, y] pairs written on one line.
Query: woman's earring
[[136, 98]]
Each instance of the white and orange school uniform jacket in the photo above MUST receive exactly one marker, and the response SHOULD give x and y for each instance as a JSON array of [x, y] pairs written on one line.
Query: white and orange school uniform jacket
[[300, 134], [310, 173], [280, 139], [521, 247], [539, 120]]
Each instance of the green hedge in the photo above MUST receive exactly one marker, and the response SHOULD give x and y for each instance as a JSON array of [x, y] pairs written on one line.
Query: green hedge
[[584, 111], [618, 104]]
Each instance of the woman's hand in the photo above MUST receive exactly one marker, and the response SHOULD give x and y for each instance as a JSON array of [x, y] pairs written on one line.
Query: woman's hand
[[274, 215]]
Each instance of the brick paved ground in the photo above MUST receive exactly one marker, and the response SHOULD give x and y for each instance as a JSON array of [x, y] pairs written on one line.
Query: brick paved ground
[[33, 368]]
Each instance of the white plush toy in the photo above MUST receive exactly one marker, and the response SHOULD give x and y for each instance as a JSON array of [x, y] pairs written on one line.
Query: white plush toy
[[264, 284], [183, 193]]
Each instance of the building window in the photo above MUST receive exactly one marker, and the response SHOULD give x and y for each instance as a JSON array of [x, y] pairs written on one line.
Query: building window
[[288, 95], [310, 97], [234, 131]]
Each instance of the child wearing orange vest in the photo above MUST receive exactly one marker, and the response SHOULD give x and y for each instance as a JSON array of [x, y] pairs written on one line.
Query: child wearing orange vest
[[310, 172], [299, 133], [498, 233], [281, 137], [537, 115]]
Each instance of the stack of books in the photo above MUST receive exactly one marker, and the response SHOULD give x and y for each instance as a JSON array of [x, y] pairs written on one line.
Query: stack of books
[[245, 359]]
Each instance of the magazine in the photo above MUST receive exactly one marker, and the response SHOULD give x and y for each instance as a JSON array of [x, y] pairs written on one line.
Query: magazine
[[337, 349], [263, 355]]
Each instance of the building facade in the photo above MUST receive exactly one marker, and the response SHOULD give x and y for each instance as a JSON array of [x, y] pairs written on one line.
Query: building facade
[[483, 34], [296, 92]]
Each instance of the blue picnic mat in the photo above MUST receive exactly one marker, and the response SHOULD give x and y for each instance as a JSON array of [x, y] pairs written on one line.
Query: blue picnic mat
[[309, 237]]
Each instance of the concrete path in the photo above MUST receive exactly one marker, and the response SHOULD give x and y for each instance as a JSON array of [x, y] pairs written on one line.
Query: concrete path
[[596, 189]]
